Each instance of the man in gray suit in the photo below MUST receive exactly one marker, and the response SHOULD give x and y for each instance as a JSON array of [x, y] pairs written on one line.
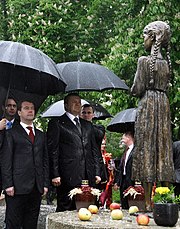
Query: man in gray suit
[[72, 151], [25, 170]]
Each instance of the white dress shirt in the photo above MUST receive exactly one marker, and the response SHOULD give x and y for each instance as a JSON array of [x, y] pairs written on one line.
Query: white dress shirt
[[126, 159], [26, 129]]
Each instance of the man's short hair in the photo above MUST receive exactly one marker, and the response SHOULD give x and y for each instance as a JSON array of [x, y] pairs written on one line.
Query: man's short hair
[[130, 133], [19, 105], [10, 98], [66, 98], [88, 105]]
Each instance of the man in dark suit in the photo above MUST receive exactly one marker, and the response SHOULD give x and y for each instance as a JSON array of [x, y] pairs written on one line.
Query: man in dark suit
[[87, 113], [176, 160], [72, 151], [25, 170], [123, 175], [8, 120]]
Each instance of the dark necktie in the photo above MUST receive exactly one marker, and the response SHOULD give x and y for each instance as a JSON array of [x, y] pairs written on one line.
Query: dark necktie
[[31, 134], [78, 125]]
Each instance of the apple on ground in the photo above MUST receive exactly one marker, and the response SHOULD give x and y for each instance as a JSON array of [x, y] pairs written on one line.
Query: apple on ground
[[142, 219], [93, 209], [116, 214], [114, 206], [133, 209], [84, 214]]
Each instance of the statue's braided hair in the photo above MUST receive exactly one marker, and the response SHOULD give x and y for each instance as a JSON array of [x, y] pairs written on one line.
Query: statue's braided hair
[[160, 31]]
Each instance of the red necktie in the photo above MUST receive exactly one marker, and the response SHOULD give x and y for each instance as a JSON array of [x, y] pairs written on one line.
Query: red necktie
[[31, 134]]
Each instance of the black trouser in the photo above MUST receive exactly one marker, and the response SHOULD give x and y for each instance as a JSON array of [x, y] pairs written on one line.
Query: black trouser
[[63, 200], [123, 187], [22, 211]]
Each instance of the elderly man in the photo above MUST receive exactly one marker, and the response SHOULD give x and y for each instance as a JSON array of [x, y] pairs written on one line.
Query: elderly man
[[72, 151]]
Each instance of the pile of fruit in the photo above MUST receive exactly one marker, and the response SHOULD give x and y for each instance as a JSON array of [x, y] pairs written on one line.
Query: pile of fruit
[[115, 212]]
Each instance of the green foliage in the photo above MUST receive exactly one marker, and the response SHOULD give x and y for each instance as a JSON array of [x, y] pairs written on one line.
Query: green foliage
[[107, 32], [115, 196]]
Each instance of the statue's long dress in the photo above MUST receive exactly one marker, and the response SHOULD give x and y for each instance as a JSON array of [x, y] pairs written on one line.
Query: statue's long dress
[[153, 157]]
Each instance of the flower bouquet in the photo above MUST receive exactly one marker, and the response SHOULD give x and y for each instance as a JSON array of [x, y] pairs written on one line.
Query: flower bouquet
[[135, 196], [84, 195]]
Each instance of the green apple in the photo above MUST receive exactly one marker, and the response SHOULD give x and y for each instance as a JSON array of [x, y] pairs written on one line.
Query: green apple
[[133, 209], [84, 214], [116, 214], [93, 209]]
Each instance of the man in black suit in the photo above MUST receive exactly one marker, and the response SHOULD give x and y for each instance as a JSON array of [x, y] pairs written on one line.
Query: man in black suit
[[9, 110], [176, 160], [87, 113], [25, 170], [72, 151], [123, 175]]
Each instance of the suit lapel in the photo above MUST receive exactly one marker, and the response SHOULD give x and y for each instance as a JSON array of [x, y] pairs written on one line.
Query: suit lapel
[[21, 130], [66, 121]]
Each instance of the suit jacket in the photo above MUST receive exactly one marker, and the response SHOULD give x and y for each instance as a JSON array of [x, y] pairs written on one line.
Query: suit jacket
[[176, 159], [119, 173], [70, 152], [99, 131], [24, 164], [2, 134]]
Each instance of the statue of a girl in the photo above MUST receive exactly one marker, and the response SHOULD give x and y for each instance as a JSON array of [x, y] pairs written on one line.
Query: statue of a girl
[[153, 157]]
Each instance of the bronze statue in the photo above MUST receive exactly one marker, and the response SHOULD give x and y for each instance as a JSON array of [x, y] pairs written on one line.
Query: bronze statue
[[153, 157]]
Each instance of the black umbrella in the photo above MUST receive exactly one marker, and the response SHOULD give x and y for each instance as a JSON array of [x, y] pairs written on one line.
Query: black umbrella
[[123, 121], [83, 76], [29, 71], [57, 109], [100, 113]]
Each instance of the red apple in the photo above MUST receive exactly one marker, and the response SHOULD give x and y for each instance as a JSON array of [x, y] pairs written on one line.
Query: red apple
[[116, 214], [114, 206], [93, 209], [142, 219], [84, 214]]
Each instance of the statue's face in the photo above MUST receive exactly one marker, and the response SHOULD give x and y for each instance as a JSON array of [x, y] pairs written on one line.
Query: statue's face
[[148, 41]]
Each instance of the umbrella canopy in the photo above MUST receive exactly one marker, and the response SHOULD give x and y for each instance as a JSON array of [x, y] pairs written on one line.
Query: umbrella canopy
[[83, 76], [100, 113], [123, 121], [27, 72], [57, 109]]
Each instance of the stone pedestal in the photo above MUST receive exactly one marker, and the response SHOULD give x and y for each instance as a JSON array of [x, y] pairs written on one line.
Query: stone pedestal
[[102, 220]]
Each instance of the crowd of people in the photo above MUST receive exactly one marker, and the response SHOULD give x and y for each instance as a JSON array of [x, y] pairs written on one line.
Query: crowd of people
[[73, 150]]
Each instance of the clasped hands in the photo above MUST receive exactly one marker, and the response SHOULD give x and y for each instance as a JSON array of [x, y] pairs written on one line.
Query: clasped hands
[[57, 180]]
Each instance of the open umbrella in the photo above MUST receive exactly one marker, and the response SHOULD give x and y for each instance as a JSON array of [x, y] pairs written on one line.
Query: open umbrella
[[29, 71], [123, 121], [83, 76], [57, 109]]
